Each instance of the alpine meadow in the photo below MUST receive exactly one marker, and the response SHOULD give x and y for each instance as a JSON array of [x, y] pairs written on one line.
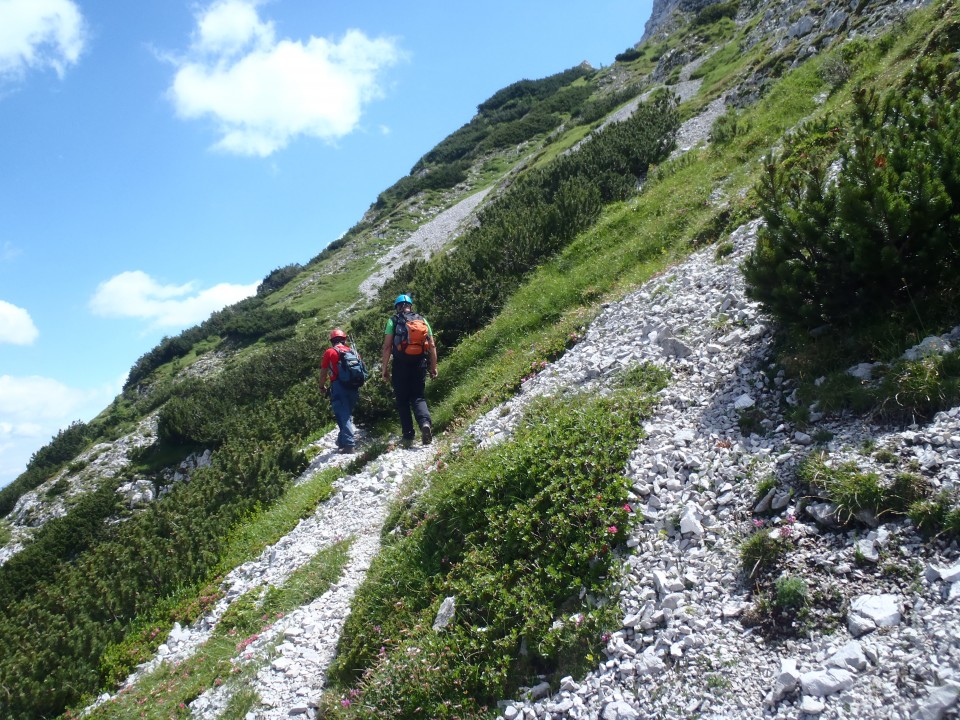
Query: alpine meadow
[[696, 420]]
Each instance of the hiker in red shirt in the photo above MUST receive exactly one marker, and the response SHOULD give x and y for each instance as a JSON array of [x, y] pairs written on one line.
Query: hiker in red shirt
[[343, 399]]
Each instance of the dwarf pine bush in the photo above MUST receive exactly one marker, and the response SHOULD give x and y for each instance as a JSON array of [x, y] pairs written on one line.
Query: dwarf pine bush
[[880, 239]]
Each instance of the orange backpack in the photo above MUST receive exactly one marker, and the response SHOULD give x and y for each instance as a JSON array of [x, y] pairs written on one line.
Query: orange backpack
[[411, 336]]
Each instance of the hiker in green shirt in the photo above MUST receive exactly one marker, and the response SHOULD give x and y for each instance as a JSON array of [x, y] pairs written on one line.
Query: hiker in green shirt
[[408, 338]]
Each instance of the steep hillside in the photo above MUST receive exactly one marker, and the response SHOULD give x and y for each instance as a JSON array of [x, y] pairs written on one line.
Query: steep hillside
[[658, 489]]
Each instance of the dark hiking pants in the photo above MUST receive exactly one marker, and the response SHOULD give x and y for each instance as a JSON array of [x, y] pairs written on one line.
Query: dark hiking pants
[[409, 380]]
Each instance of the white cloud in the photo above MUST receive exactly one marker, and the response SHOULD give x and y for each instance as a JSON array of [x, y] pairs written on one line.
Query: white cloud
[[263, 92], [16, 325], [25, 402], [39, 34], [33, 409], [228, 27], [135, 294], [9, 251]]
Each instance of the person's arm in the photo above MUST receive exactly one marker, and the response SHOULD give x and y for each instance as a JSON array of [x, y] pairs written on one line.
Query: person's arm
[[433, 358], [323, 380], [385, 357]]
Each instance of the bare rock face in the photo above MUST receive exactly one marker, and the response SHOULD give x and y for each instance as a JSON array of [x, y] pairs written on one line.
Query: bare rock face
[[814, 25], [663, 14]]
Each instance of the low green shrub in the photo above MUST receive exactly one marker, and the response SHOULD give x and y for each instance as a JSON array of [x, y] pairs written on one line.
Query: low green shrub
[[760, 551], [62, 448], [717, 11], [790, 594], [727, 127], [523, 536], [277, 278], [165, 692], [628, 55]]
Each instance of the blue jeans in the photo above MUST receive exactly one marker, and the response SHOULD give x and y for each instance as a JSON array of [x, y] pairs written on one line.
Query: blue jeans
[[343, 400]]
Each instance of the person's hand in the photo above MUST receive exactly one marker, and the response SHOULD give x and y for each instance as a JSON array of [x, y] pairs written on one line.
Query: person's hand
[[325, 391], [386, 376], [433, 373]]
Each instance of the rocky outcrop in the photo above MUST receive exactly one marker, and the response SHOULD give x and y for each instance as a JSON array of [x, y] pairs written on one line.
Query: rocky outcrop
[[102, 462], [787, 19], [667, 15], [794, 29]]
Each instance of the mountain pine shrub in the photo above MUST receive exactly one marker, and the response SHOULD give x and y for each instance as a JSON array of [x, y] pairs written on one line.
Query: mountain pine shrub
[[882, 239], [65, 446], [717, 11]]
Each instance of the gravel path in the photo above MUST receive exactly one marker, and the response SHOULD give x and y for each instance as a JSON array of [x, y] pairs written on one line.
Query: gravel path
[[424, 241]]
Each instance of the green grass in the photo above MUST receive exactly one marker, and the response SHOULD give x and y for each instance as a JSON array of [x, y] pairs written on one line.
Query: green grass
[[938, 515], [855, 492], [760, 551], [271, 524], [904, 390]]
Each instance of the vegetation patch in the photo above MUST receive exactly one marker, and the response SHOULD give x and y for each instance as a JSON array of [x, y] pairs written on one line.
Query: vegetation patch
[[522, 536], [877, 241], [166, 692], [858, 494]]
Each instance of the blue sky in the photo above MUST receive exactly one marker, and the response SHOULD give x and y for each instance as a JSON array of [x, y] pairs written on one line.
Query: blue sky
[[159, 157]]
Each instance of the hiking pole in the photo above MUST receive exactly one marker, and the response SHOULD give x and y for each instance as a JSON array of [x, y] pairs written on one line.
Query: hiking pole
[[355, 348]]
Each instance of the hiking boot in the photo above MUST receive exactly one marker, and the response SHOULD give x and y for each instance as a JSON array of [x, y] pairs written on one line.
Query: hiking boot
[[407, 442], [347, 450], [426, 432]]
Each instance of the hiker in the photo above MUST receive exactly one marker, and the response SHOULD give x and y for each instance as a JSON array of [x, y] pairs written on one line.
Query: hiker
[[409, 339], [343, 398]]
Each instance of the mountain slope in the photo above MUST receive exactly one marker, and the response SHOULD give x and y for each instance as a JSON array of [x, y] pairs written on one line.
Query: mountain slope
[[687, 322]]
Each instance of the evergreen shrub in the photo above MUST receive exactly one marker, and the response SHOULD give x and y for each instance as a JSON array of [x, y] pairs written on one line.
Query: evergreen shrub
[[65, 446], [277, 278], [717, 11], [539, 214], [880, 239], [628, 55]]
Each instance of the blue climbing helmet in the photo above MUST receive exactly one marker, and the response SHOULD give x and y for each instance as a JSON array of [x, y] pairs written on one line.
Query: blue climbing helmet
[[403, 299]]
